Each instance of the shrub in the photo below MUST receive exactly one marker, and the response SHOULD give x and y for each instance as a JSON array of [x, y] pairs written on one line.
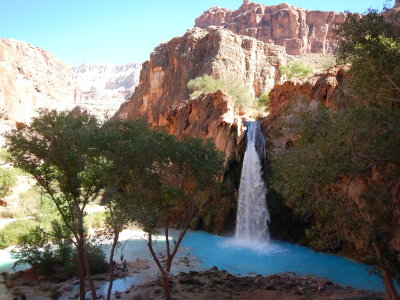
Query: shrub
[[263, 101], [7, 181], [296, 69], [328, 62], [47, 253], [10, 234], [95, 220], [207, 84], [96, 258]]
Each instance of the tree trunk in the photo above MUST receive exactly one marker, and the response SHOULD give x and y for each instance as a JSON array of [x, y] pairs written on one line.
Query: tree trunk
[[89, 276], [165, 275], [387, 277], [114, 245], [167, 290], [81, 268]]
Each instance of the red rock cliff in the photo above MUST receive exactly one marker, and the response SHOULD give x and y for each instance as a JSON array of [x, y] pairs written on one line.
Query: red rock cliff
[[300, 31], [162, 92]]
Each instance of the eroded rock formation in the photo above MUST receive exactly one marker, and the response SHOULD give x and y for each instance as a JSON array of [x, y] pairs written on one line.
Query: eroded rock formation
[[211, 116], [300, 31], [319, 88], [163, 79], [32, 78]]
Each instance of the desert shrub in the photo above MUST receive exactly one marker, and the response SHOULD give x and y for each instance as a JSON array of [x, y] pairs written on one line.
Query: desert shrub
[[262, 102], [207, 84], [27, 206], [96, 258], [95, 220], [296, 69], [328, 62], [10, 234], [54, 251], [7, 181]]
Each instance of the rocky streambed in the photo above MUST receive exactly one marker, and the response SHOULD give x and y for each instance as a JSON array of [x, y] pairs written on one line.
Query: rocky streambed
[[216, 284]]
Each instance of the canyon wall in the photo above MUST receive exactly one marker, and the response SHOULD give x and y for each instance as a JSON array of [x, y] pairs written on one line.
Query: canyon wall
[[216, 52], [103, 88], [298, 30], [32, 78]]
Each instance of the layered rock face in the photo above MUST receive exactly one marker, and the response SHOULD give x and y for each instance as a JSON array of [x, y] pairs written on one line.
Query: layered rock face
[[300, 31], [220, 53], [104, 87], [319, 88], [31, 78], [211, 116]]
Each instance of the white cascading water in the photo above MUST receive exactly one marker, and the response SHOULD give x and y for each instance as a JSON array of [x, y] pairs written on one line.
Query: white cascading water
[[252, 212]]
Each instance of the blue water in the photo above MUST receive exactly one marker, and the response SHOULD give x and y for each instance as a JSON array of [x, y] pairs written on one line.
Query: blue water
[[281, 257]]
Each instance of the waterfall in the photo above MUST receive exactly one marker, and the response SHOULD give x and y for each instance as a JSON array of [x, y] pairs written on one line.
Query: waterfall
[[252, 212]]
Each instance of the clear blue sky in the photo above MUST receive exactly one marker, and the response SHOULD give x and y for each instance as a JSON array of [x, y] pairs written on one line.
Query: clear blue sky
[[121, 31]]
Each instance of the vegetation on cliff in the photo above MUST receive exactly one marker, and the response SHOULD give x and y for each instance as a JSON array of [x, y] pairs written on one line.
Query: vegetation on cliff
[[207, 84], [296, 69], [342, 168]]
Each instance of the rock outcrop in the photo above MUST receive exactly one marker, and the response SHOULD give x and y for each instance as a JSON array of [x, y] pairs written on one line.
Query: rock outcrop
[[217, 52], [319, 88], [31, 78], [211, 116], [300, 31]]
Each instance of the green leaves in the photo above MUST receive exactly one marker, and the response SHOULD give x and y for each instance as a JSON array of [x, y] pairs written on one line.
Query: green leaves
[[371, 44], [153, 173], [296, 69], [207, 84]]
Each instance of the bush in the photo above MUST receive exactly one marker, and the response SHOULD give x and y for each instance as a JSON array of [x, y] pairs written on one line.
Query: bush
[[263, 102], [10, 234], [96, 258], [28, 205], [296, 69], [95, 220], [7, 181], [328, 62], [207, 84], [49, 253]]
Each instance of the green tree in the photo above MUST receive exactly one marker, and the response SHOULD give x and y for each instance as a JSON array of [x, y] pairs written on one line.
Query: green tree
[[355, 144], [59, 151], [371, 44], [160, 181]]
